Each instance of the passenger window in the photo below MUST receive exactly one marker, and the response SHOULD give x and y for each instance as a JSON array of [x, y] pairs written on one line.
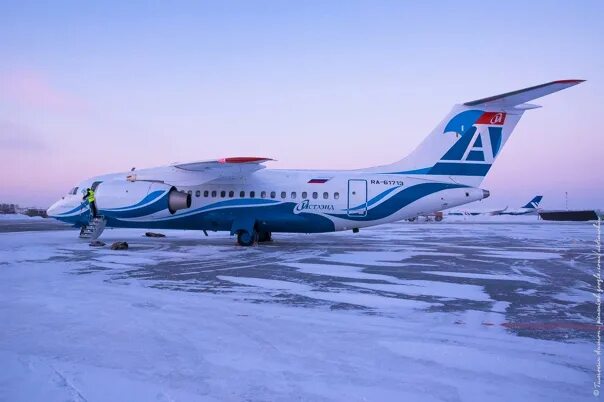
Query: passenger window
[[190, 192], [197, 193], [252, 194], [315, 195], [325, 195], [293, 195], [231, 194], [242, 194], [273, 194], [222, 194], [214, 194], [304, 194], [206, 193], [263, 194], [336, 195], [283, 194]]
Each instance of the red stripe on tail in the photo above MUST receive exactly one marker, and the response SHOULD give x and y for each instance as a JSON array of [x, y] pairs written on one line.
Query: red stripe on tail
[[492, 118]]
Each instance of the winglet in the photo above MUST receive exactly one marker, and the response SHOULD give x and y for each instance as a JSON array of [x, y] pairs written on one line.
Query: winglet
[[514, 98]]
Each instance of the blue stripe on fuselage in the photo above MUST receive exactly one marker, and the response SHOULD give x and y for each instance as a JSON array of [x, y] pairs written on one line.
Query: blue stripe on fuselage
[[375, 199], [400, 200], [451, 169], [159, 204], [147, 199], [239, 203], [273, 216], [71, 211]]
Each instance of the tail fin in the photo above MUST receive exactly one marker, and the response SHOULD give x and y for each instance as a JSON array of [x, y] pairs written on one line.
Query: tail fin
[[534, 203], [464, 146]]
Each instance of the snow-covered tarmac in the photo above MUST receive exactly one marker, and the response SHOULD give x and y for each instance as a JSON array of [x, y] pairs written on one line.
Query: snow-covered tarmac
[[463, 311]]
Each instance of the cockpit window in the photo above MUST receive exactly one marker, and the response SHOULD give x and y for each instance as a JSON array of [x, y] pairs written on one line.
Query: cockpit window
[[74, 191]]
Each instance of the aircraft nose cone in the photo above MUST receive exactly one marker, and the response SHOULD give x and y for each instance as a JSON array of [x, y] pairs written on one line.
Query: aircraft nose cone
[[52, 210], [485, 193]]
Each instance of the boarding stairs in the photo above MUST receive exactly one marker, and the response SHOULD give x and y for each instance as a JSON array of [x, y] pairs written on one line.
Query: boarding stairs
[[94, 228]]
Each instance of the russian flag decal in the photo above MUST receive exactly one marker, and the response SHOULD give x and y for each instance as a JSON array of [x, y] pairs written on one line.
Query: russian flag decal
[[317, 181]]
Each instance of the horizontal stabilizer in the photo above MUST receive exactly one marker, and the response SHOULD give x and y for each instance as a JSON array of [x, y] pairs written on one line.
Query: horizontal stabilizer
[[521, 96]]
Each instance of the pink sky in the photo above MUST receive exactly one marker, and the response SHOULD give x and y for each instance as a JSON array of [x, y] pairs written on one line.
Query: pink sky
[[361, 88]]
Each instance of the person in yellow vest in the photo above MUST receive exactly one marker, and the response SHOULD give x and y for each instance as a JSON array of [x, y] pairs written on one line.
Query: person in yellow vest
[[89, 196]]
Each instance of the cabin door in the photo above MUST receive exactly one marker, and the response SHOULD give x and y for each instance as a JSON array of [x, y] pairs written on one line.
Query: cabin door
[[357, 197]]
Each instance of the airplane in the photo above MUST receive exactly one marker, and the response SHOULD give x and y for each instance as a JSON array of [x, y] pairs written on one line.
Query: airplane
[[238, 195], [531, 208]]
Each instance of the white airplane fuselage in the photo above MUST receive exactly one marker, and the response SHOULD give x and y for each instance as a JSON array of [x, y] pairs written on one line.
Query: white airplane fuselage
[[239, 195], [300, 201]]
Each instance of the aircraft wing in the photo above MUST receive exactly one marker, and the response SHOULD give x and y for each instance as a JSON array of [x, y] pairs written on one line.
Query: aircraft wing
[[194, 173], [238, 163], [499, 211]]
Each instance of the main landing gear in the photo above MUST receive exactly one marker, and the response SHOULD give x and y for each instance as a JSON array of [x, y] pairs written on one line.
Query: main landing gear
[[263, 237], [246, 239]]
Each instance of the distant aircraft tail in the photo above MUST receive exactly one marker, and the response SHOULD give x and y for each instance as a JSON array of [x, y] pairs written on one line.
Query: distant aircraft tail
[[464, 146], [534, 203]]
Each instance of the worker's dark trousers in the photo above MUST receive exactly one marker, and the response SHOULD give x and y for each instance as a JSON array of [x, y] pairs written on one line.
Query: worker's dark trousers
[[93, 209]]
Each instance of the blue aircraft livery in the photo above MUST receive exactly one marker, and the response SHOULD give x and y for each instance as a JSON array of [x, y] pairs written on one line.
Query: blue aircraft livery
[[241, 196]]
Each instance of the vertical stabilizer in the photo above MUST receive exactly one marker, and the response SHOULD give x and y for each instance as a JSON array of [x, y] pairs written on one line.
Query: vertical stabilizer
[[466, 143]]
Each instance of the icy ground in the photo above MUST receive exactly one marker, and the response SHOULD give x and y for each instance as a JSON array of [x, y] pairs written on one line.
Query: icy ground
[[403, 312]]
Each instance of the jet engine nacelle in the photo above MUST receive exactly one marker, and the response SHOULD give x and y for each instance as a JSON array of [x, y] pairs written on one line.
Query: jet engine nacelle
[[132, 199]]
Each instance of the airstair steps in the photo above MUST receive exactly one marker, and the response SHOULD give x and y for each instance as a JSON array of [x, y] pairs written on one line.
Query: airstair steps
[[94, 228]]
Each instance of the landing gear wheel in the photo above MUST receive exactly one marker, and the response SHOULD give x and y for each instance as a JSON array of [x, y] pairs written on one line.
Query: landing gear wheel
[[246, 239], [264, 237]]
